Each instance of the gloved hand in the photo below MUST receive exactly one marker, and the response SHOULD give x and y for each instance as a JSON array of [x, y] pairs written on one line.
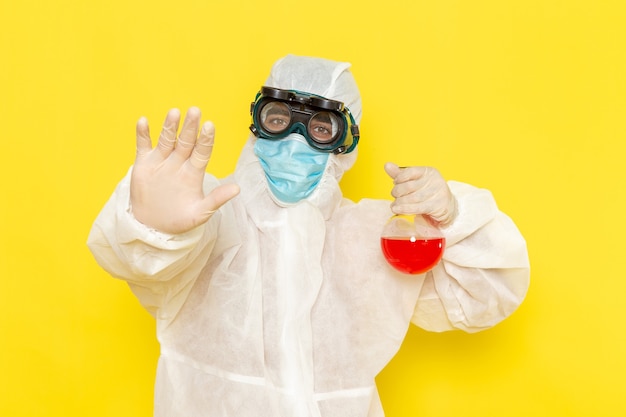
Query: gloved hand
[[166, 182], [421, 190]]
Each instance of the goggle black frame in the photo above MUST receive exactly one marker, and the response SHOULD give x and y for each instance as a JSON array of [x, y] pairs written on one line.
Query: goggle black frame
[[347, 138]]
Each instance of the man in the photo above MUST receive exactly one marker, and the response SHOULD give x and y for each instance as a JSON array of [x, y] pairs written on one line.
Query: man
[[270, 291]]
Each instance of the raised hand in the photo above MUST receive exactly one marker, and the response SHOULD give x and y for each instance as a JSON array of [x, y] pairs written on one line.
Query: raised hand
[[166, 183], [421, 190]]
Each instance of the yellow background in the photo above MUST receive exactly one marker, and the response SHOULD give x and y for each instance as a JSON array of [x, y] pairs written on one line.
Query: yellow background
[[524, 97]]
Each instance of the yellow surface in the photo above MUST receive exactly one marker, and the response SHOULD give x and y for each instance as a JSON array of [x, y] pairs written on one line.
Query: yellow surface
[[524, 97]]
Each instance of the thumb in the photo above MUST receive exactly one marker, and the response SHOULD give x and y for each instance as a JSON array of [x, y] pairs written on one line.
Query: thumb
[[218, 197], [392, 169]]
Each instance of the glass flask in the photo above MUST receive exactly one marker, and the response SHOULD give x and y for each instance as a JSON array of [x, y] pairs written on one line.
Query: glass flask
[[411, 243]]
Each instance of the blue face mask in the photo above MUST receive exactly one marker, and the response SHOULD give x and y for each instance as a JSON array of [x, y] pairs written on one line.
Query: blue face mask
[[293, 169]]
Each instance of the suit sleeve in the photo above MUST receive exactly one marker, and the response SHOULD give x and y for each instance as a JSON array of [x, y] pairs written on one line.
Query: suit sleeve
[[160, 268], [485, 272]]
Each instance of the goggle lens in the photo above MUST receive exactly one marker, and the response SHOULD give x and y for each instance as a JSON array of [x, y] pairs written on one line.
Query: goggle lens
[[275, 116], [326, 124], [323, 127]]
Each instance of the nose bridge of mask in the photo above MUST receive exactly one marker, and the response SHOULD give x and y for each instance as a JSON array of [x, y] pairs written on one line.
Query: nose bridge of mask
[[292, 168], [287, 143]]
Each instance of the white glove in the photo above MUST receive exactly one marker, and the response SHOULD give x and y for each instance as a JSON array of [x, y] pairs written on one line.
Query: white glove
[[166, 183], [421, 190]]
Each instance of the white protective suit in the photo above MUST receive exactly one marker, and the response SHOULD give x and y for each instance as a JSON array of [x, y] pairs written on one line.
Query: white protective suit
[[292, 311]]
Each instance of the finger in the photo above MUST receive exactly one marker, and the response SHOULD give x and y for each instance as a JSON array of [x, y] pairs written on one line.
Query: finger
[[204, 147], [405, 189], [167, 139], [222, 194], [392, 169], [411, 174], [423, 189], [144, 143], [216, 199], [188, 133], [410, 199], [437, 209], [410, 208]]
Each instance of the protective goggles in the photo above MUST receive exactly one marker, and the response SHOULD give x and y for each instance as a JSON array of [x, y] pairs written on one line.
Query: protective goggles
[[327, 125]]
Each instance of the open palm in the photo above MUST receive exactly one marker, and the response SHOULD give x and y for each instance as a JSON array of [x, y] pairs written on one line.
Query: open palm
[[166, 183]]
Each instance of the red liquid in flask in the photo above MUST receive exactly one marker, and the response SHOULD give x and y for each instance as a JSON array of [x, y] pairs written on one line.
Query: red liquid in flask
[[411, 255]]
